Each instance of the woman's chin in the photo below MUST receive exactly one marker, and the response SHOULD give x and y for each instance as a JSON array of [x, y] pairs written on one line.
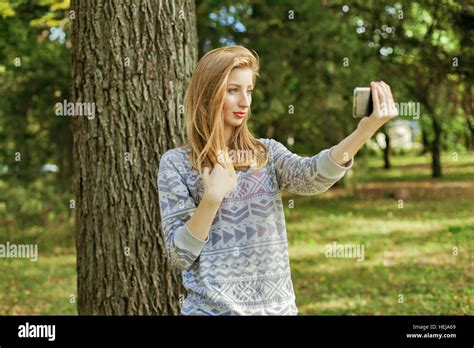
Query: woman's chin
[[236, 123]]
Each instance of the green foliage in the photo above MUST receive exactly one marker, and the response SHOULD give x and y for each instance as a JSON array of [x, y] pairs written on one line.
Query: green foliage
[[34, 75], [430, 64], [304, 90], [411, 45], [34, 207]]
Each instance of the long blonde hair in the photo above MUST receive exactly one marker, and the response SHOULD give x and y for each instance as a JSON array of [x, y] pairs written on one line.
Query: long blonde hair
[[203, 107]]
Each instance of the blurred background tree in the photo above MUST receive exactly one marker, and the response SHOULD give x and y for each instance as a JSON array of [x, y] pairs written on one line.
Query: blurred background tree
[[34, 75], [313, 53]]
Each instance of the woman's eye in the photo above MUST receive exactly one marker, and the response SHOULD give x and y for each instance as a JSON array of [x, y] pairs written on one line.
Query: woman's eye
[[234, 90]]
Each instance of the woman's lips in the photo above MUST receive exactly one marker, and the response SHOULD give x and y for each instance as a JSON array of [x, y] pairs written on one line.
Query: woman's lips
[[240, 114]]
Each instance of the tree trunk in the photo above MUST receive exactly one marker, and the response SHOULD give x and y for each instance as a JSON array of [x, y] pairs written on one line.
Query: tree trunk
[[387, 152], [435, 145], [468, 107], [132, 63], [426, 144], [471, 130], [436, 149]]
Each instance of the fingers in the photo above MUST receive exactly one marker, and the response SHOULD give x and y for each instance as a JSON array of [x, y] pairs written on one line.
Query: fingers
[[384, 107], [382, 97], [217, 167], [386, 92], [205, 174], [392, 109], [221, 168], [387, 89], [375, 96]]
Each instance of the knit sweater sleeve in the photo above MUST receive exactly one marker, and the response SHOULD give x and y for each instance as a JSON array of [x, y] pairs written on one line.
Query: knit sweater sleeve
[[306, 175], [176, 208]]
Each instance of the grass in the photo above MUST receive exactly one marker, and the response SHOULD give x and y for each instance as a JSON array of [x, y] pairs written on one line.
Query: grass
[[46, 287], [408, 249], [410, 266]]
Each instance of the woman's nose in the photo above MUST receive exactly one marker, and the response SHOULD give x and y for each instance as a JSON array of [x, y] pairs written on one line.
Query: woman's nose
[[244, 100]]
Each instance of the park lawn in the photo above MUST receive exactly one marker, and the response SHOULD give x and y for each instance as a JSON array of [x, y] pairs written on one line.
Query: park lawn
[[46, 286], [455, 167], [408, 251]]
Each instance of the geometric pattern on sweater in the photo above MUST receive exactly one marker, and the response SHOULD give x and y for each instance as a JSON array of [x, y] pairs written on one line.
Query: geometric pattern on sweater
[[243, 267], [275, 309]]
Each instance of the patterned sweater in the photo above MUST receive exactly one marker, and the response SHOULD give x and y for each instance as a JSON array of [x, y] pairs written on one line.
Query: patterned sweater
[[243, 267]]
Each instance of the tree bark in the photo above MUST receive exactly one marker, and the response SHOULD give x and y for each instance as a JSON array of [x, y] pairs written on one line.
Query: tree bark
[[426, 144], [133, 62], [436, 149], [386, 151], [435, 146], [467, 104], [470, 140]]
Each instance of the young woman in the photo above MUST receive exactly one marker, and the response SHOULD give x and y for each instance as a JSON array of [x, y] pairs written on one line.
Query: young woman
[[220, 193]]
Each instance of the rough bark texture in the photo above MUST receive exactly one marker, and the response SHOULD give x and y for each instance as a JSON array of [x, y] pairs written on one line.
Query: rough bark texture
[[467, 104], [426, 144], [436, 150], [435, 146], [387, 151], [133, 60]]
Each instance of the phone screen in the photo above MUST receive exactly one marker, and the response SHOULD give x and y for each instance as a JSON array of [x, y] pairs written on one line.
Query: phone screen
[[362, 105]]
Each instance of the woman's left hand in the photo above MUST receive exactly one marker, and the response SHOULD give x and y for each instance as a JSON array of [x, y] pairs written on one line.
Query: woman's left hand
[[384, 109]]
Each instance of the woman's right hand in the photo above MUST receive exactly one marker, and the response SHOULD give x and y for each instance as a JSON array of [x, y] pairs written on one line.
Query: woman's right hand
[[218, 183]]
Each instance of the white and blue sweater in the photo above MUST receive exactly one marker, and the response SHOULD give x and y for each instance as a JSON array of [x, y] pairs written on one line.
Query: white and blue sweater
[[243, 267]]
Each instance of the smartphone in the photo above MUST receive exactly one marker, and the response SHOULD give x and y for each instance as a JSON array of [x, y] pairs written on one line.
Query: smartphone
[[362, 105]]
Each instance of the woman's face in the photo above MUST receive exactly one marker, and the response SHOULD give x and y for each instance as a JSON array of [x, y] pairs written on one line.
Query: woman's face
[[238, 97]]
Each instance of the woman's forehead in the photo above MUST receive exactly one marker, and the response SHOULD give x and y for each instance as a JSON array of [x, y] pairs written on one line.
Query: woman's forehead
[[240, 76]]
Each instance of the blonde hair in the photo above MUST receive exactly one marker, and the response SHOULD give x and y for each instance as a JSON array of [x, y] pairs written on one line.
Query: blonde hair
[[203, 107]]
